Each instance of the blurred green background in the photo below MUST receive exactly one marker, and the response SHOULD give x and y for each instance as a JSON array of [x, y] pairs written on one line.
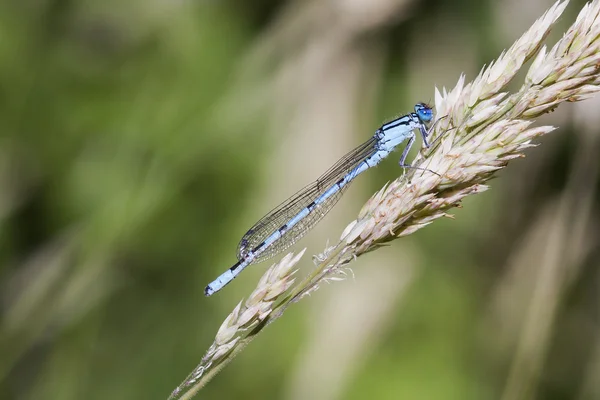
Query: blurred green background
[[140, 139]]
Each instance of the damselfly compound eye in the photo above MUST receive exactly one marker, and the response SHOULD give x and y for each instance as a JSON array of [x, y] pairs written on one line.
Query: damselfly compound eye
[[424, 112]]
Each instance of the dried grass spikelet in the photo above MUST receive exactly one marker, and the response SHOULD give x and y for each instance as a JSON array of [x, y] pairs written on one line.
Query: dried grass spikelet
[[479, 130], [238, 327], [482, 128]]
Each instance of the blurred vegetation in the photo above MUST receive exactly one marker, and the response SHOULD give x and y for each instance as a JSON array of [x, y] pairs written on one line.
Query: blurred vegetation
[[139, 139]]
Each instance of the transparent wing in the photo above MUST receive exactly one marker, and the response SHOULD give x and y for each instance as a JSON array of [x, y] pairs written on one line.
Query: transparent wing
[[292, 206]]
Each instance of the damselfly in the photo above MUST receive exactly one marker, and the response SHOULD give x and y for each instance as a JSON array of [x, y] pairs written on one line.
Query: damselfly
[[293, 218]]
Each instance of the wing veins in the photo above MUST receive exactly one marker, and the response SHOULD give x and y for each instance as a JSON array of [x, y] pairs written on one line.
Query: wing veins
[[300, 200]]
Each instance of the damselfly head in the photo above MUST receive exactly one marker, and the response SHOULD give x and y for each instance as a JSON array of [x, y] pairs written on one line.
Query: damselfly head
[[424, 112]]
